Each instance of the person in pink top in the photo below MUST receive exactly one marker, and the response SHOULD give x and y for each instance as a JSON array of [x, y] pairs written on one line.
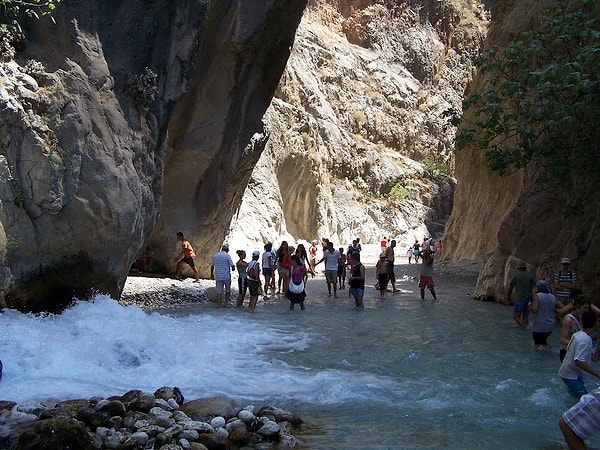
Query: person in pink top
[[297, 277]]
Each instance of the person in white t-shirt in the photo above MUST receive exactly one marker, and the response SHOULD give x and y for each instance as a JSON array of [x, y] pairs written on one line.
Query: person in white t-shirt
[[331, 257], [579, 357]]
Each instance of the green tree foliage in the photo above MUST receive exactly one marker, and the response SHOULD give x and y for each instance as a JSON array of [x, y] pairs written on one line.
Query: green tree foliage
[[144, 88], [12, 10], [12, 13], [437, 169], [398, 193], [542, 99]]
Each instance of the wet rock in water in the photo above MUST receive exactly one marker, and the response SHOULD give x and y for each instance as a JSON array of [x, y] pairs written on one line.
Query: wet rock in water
[[206, 408], [246, 416], [57, 434], [269, 429], [159, 423], [168, 393], [138, 401], [112, 407], [217, 422], [280, 415]]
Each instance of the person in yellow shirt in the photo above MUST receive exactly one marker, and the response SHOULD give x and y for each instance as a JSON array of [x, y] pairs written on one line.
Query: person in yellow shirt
[[186, 256]]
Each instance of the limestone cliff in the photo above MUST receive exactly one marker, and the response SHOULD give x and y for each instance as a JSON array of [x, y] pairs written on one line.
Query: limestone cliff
[[509, 219], [357, 114], [146, 115]]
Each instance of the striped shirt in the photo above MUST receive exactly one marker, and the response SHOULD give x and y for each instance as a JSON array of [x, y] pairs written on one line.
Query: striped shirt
[[222, 263], [561, 277]]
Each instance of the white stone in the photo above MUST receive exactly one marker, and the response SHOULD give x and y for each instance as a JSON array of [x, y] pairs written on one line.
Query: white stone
[[217, 422]]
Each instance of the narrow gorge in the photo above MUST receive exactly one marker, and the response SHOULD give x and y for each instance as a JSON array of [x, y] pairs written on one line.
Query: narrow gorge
[[245, 122]]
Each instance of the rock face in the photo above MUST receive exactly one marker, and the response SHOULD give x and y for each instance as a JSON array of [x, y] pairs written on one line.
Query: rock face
[[517, 218], [147, 119], [141, 108], [357, 113]]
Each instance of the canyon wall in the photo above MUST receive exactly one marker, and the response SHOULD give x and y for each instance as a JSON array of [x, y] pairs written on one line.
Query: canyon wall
[[148, 118], [506, 220], [357, 118], [145, 116]]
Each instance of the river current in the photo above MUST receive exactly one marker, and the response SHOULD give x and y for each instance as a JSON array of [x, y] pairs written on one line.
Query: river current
[[402, 374]]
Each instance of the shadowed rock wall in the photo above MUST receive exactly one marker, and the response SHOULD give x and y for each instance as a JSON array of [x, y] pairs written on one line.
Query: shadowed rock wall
[[84, 163], [509, 219]]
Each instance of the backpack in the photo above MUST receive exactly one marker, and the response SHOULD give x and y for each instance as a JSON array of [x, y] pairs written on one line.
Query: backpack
[[251, 270]]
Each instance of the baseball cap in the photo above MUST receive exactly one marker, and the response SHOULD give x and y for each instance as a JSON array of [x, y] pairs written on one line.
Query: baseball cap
[[565, 261], [255, 253]]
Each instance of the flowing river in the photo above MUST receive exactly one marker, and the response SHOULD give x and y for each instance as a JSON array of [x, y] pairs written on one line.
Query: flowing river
[[402, 374]]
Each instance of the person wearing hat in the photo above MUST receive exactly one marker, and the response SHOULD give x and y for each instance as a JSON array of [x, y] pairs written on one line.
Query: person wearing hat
[[253, 276], [381, 272], [565, 281], [220, 271], [522, 283]]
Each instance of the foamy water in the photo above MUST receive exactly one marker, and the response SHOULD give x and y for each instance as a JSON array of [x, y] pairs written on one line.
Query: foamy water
[[401, 374]]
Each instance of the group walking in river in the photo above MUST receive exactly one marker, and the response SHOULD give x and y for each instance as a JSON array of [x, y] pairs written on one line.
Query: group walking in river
[[554, 297]]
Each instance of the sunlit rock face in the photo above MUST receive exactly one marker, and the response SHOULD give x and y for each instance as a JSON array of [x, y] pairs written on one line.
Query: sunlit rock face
[[91, 166], [504, 220], [359, 108]]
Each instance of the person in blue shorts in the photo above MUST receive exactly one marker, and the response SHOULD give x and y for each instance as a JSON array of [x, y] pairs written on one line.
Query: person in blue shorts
[[522, 283]]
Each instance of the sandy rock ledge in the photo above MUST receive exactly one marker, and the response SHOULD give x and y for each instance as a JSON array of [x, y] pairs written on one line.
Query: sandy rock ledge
[[157, 291]]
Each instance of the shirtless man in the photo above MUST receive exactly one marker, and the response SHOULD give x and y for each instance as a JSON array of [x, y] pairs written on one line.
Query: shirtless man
[[389, 257]]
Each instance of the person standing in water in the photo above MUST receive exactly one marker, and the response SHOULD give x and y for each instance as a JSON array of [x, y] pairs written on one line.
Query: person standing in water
[[426, 277], [253, 276], [522, 283], [581, 421], [220, 271], [579, 357], [381, 272], [298, 274], [389, 257], [241, 266], [341, 268], [331, 257], [571, 324], [357, 282], [544, 304], [268, 266]]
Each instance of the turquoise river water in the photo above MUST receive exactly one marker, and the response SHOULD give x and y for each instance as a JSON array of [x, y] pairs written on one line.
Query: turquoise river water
[[402, 374]]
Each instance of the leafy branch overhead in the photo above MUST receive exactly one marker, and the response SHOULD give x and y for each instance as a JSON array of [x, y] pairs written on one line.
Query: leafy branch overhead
[[12, 13], [541, 102]]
